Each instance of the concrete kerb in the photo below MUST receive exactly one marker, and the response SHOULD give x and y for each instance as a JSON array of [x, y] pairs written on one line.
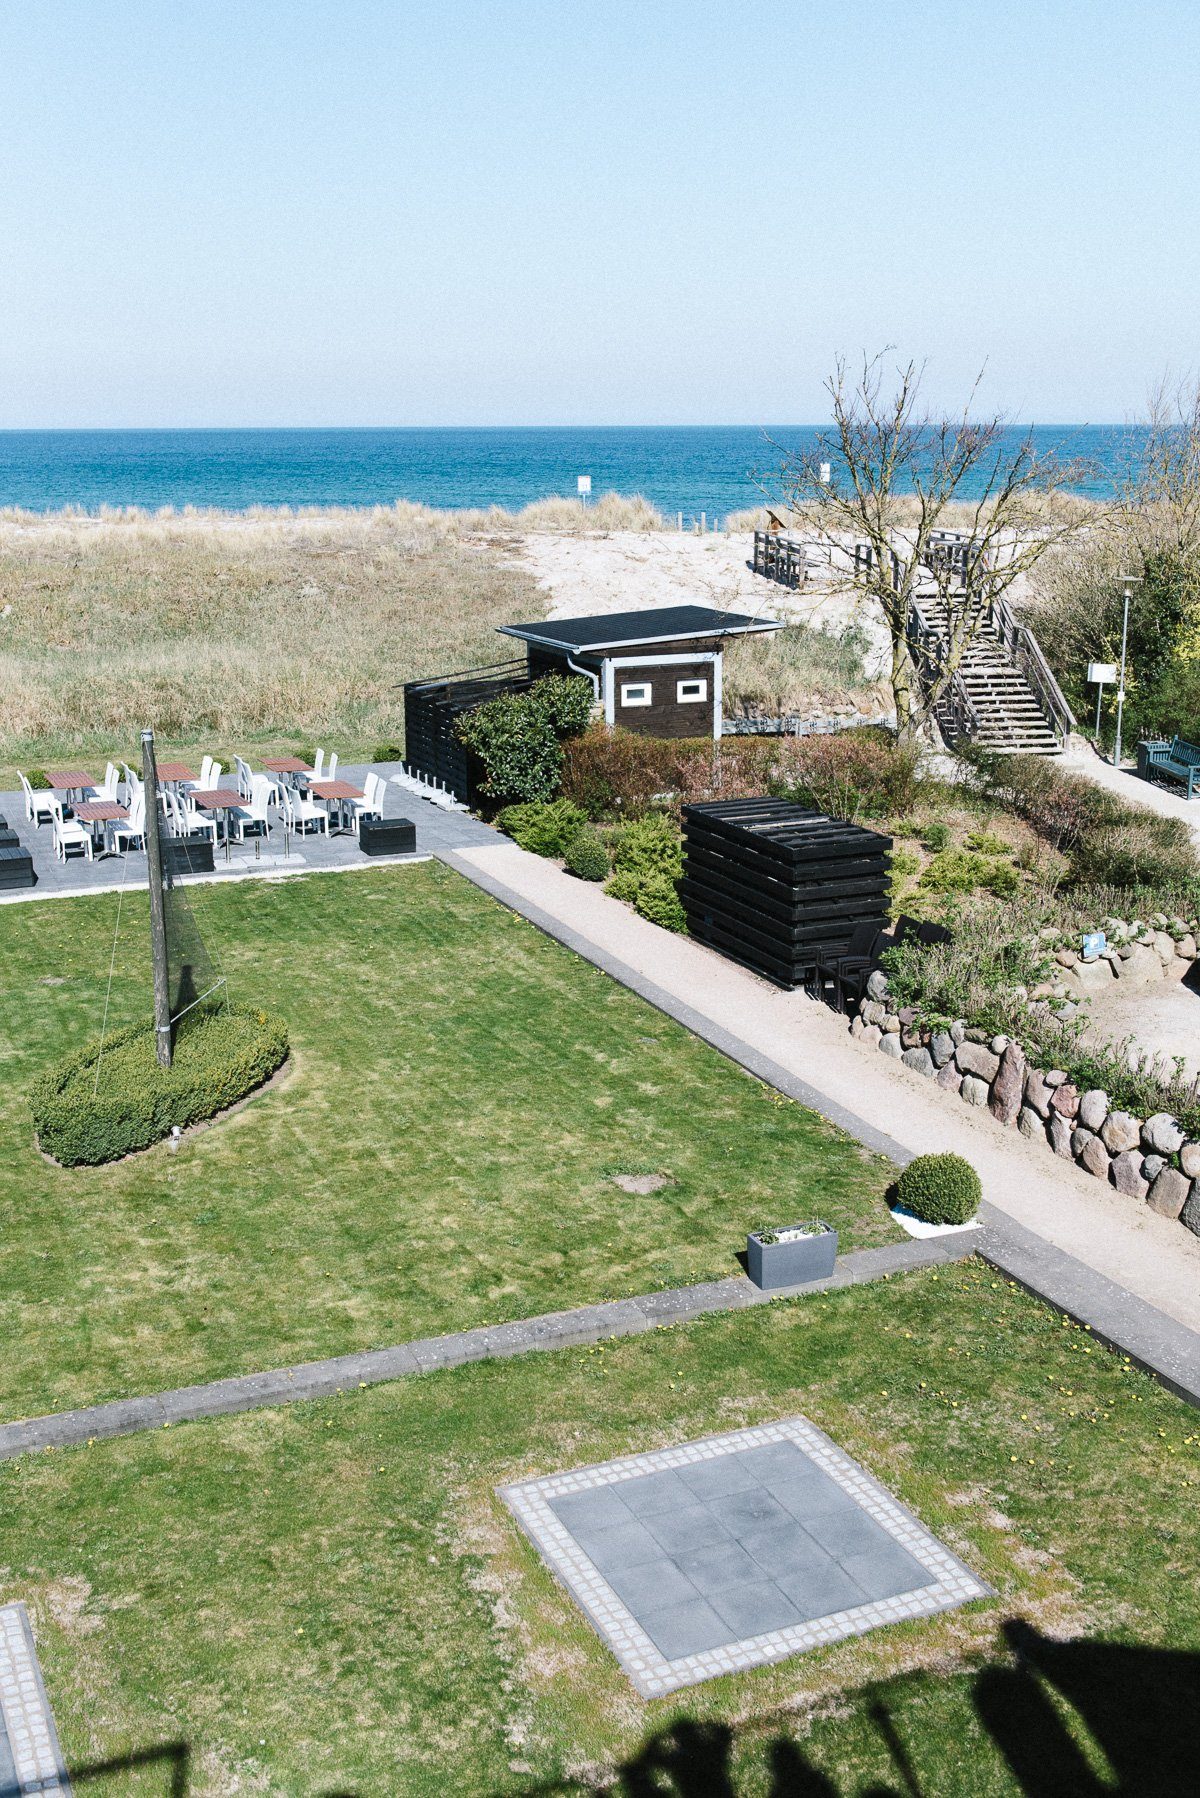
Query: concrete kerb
[[1158, 1344], [372, 1367]]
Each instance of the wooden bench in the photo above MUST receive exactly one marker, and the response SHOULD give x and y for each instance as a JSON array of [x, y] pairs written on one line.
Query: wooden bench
[[1178, 758]]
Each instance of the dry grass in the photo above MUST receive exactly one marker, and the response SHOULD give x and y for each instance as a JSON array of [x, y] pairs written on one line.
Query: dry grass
[[801, 670], [905, 508], [238, 631]]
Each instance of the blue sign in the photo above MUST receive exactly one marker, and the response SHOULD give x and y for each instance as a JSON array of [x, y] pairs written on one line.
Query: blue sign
[[1094, 945]]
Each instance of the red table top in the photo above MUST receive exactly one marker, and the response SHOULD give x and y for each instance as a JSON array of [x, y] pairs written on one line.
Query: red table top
[[67, 782], [336, 789], [287, 764], [174, 771], [101, 811], [216, 798]]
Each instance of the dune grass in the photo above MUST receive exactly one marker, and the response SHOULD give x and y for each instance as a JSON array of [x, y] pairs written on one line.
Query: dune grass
[[440, 1154], [330, 1598]]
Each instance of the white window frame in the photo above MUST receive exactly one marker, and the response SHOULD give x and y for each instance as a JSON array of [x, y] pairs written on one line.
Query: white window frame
[[643, 687], [698, 697]]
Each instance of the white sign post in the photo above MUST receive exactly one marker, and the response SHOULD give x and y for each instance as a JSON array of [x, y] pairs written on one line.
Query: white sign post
[[584, 485], [1101, 675]]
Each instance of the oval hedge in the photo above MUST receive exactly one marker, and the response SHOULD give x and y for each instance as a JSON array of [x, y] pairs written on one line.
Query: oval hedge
[[942, 1189], [220, 1055]]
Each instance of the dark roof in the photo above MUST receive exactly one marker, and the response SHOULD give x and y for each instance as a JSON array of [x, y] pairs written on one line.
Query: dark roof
[[619, 630]]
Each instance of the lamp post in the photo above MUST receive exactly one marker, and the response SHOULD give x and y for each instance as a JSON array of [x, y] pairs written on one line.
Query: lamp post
[[1130, 581]]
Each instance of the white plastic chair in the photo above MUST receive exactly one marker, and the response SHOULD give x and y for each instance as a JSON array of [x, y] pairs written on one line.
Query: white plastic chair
[[318, 772], [40, 807], [371, 803], [70, 834], [245, 776], [331, 767], [253, 816], [187, 818], [133, 828], [301, 813], [112, 781]]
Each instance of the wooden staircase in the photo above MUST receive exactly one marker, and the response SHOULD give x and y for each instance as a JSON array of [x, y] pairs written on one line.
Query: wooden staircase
[[1003, 695]]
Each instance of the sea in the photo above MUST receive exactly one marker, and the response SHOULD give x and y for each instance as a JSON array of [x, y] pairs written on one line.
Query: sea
[[694, 469]]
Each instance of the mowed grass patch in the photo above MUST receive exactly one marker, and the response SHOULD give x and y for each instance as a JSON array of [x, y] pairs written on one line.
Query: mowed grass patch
[[439, 1155], [331, 1598]]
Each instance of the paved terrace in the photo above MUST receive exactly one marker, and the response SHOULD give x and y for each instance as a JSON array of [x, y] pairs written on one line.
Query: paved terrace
[[313, 853]]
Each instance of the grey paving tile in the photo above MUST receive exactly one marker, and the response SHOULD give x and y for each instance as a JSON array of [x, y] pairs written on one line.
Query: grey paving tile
[[685, 1629], [819, 1592], [655, 1493], [723, 1564], [721, 1474], [651, 1586], [754, 1609], [847, 1532], [612, 1550], [888, 1571], [600, 1508], [786, 1548], [689, 1527], [752, 1509]]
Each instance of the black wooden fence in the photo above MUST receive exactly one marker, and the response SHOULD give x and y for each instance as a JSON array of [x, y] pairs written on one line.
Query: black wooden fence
[[777, 887], [432, 708]]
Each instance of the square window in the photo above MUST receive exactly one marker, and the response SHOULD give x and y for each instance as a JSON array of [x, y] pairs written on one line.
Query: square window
[[636, 692], [691, 692]]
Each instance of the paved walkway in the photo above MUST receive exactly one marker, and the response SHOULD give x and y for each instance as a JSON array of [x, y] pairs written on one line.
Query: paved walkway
[[874, 1099], [1168, 801]]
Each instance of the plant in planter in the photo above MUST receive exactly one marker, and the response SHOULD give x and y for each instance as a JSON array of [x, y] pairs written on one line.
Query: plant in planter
[[789, 1256], [939, 1189]]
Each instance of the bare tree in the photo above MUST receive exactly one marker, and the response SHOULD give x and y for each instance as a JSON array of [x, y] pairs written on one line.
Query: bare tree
[[899, 476], [1161, 494]]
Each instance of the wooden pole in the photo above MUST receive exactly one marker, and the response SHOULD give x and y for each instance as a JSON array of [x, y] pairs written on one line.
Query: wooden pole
[[158, 917]]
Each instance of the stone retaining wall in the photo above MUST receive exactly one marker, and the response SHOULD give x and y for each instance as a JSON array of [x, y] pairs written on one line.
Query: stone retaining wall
[[1149, 1159]]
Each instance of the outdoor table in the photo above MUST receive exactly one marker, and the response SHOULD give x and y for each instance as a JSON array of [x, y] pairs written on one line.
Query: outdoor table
[[290, 766], [337, 793], [222, 801], [70, 781], [174, 774], [102, 812]]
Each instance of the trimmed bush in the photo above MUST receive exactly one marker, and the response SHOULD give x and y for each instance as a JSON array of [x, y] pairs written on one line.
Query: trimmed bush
[[941, 1189], [586, 856], [853, 774], [220, 1056], [544, 828], [387, 752], [517, 736], [38, 779], [649, 845], [657, 900]]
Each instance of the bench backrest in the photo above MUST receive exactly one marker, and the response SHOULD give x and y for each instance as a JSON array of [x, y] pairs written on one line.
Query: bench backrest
[[1185, 752]]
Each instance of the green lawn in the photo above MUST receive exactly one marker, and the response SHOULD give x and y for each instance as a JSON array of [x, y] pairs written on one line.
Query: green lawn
[[330, 1598], [439, 1156]]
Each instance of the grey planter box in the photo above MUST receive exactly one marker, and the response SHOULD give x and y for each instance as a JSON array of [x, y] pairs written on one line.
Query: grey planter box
[[791, 1262]]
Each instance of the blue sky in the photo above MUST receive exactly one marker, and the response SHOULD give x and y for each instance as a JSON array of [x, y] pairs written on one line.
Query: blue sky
[[510, 211]]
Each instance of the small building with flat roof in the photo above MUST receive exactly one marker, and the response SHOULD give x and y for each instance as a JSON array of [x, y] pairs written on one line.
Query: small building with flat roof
[[657, 671]]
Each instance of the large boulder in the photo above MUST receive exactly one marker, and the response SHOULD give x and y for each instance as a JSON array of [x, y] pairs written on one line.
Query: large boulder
[[871, 1034], [941, 1047], [919, 1060], [1121, 1132], [1060, 1136], [1169, 1193], [1190, 1215], [1009, 1085], [1161, 1134], [1092, 976], [1038, 1092], [974, 1090], [1065, 1101], [877, 984], [889, 1044], [1080, 1139], [975, 1058], [1031, 1123], [874, 1012], [949, 1077], [1093, 1109], [1095, 1158], [1164, 947], [1189, 1159], [1126, 1174]]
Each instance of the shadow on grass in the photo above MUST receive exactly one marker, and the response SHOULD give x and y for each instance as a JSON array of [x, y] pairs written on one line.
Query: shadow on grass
[[1068, 1720]]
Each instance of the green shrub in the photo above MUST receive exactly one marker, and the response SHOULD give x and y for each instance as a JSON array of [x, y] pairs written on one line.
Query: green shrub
[[517, 736], [220, 1055], [651, 894], [586, 856], [387, 752], [963, 871], [544, 828], [986, 842], [1144, 851], [38, 779], [942, 1189], [649, 845], [853, 774], [936, 838]]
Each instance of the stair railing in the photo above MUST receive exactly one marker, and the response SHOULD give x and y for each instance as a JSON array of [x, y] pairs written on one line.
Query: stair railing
[[1025, 652], [955, 711]]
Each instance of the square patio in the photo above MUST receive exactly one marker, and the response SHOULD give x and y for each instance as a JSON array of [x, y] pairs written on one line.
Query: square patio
[[735, 1551]]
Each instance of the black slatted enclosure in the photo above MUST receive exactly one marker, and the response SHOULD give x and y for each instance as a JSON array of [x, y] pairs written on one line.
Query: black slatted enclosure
[[432, 750], [775, 886]]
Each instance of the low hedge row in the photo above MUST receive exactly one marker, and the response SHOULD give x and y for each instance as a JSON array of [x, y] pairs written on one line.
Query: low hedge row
[[220, 1055]]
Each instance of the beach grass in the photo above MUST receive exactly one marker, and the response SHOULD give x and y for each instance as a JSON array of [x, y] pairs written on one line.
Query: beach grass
[[332, 1598], [440, 1152]]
